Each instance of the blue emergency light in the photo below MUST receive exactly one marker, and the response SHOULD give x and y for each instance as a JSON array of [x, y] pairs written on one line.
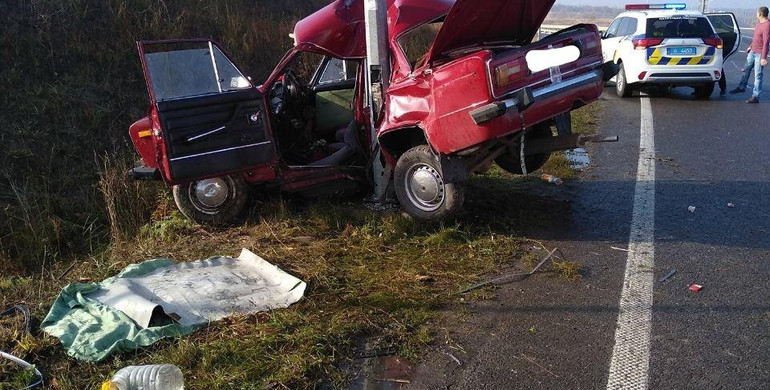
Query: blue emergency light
[[638, 7]]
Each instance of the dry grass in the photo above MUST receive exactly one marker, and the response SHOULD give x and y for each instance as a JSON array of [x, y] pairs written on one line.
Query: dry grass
[[68, 213]]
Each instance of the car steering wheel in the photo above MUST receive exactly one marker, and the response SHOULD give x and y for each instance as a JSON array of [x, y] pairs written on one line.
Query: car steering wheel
[[287, 91]]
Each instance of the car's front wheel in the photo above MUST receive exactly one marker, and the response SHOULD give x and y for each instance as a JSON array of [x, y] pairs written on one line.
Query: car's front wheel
[[621, 84], [420, 186], [217, 201]]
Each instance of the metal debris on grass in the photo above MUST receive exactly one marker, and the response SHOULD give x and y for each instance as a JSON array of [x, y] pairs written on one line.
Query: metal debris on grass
[[510, 277]]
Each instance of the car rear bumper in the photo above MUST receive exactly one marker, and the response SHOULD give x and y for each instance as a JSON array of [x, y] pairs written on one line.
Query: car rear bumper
[[680, 78], [523, 98]]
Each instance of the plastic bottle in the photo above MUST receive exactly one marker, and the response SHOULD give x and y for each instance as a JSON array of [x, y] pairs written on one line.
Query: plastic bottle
[[153, 377]]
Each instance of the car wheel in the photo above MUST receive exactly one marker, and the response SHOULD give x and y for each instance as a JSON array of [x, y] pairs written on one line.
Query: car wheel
[[621, 84], [704, 91], [217, 201], [511, 161], [420, 187]]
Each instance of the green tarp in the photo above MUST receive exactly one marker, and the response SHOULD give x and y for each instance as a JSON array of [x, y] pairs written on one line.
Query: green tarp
[[92, 331]]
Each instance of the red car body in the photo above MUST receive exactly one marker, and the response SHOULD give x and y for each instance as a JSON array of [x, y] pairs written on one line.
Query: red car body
[[469, 98]]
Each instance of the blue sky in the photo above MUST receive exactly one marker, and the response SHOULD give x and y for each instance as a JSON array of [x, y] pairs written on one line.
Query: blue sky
[[692, 4]]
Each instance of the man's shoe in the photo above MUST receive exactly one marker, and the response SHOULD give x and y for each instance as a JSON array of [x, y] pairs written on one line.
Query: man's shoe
[[737, 90], [752, 100]]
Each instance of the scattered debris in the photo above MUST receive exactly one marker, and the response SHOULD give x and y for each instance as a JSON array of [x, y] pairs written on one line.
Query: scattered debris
[[424, 279], [578, 159], [691, 209], [731, 205], [532, 329], [156, 376], [668, 275], [27, 366], [621, 249], [551, 179], [458, 361], [159, 298], [695, 287], [66, 271], [533, 361], [507, 278]]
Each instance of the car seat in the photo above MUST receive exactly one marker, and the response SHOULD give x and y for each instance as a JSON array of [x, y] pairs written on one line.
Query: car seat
[[344, 149]]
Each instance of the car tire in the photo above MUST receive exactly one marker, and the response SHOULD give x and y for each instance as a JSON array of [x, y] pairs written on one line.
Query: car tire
[[420, 186], [511, 161], [621, 83], [216, 202], [704, 91]]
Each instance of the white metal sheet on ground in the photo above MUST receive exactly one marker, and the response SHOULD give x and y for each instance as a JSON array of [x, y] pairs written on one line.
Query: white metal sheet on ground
[[203, 291]]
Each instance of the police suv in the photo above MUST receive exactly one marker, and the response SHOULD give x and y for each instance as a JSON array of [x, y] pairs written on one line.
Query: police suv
[[662, 44]]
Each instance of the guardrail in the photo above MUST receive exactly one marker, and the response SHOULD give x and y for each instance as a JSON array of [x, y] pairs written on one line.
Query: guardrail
[[548, 29]]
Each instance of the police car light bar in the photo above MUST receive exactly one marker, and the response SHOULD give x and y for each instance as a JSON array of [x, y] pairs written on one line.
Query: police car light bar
[[637, 7]]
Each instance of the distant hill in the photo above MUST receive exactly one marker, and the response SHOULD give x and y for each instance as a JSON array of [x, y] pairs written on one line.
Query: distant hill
[[571, 14]]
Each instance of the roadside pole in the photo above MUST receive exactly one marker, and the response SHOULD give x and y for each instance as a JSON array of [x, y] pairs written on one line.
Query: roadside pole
[[377, 77]]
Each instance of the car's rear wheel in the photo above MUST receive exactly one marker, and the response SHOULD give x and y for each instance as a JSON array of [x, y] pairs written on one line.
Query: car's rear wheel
[[621, 83], [704, 91], [420, 186], [217, 201], [511, 161]]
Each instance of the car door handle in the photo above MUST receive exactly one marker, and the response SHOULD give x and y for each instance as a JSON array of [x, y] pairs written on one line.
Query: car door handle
[[218, 129], [206, 134]]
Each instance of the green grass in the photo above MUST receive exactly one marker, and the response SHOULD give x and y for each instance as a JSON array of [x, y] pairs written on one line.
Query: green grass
[[68, 213]]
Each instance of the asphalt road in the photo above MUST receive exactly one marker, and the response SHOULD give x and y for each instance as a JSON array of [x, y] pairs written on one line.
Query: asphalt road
[[549, 333]]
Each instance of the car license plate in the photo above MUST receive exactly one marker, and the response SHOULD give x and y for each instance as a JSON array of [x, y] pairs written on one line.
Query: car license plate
[[681, 51]]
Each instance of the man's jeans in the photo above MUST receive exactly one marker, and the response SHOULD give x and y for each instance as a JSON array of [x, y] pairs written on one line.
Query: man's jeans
[[752, 61]]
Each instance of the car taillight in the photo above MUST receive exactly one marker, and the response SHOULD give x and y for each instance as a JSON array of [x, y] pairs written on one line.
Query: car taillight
[[590, 45], [641, 43], [714, 41], [641, 75], [510, 72]]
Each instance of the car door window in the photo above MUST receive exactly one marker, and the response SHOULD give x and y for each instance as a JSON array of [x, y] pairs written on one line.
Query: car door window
[[337, 71], [726, 26], [627, 27], [613, 29], [195, 69]]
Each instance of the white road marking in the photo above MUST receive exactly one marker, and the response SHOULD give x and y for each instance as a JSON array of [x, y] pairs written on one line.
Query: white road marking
[[630, 364]]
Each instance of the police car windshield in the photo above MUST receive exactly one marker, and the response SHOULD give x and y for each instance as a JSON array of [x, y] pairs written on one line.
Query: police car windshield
[[679, 27]]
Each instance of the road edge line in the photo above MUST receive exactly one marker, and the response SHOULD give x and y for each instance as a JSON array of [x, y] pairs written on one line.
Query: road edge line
[[630, 362]]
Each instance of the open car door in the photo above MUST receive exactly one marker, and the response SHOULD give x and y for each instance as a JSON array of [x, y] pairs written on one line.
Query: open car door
[[212, 119], [726, 26]]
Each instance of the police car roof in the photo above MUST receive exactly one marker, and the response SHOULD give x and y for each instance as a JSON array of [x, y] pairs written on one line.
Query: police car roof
[[663, 13]]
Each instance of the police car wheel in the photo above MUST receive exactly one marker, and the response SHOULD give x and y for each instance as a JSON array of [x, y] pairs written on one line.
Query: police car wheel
[[621, 84]]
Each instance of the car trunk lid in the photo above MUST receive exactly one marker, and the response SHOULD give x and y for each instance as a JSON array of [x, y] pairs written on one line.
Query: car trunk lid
[[483, 22]]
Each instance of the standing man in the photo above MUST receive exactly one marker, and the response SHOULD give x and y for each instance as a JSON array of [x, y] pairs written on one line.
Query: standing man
[[757, 57]]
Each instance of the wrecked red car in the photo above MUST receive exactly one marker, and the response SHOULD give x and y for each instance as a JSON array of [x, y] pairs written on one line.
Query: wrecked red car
[[462, 94]]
